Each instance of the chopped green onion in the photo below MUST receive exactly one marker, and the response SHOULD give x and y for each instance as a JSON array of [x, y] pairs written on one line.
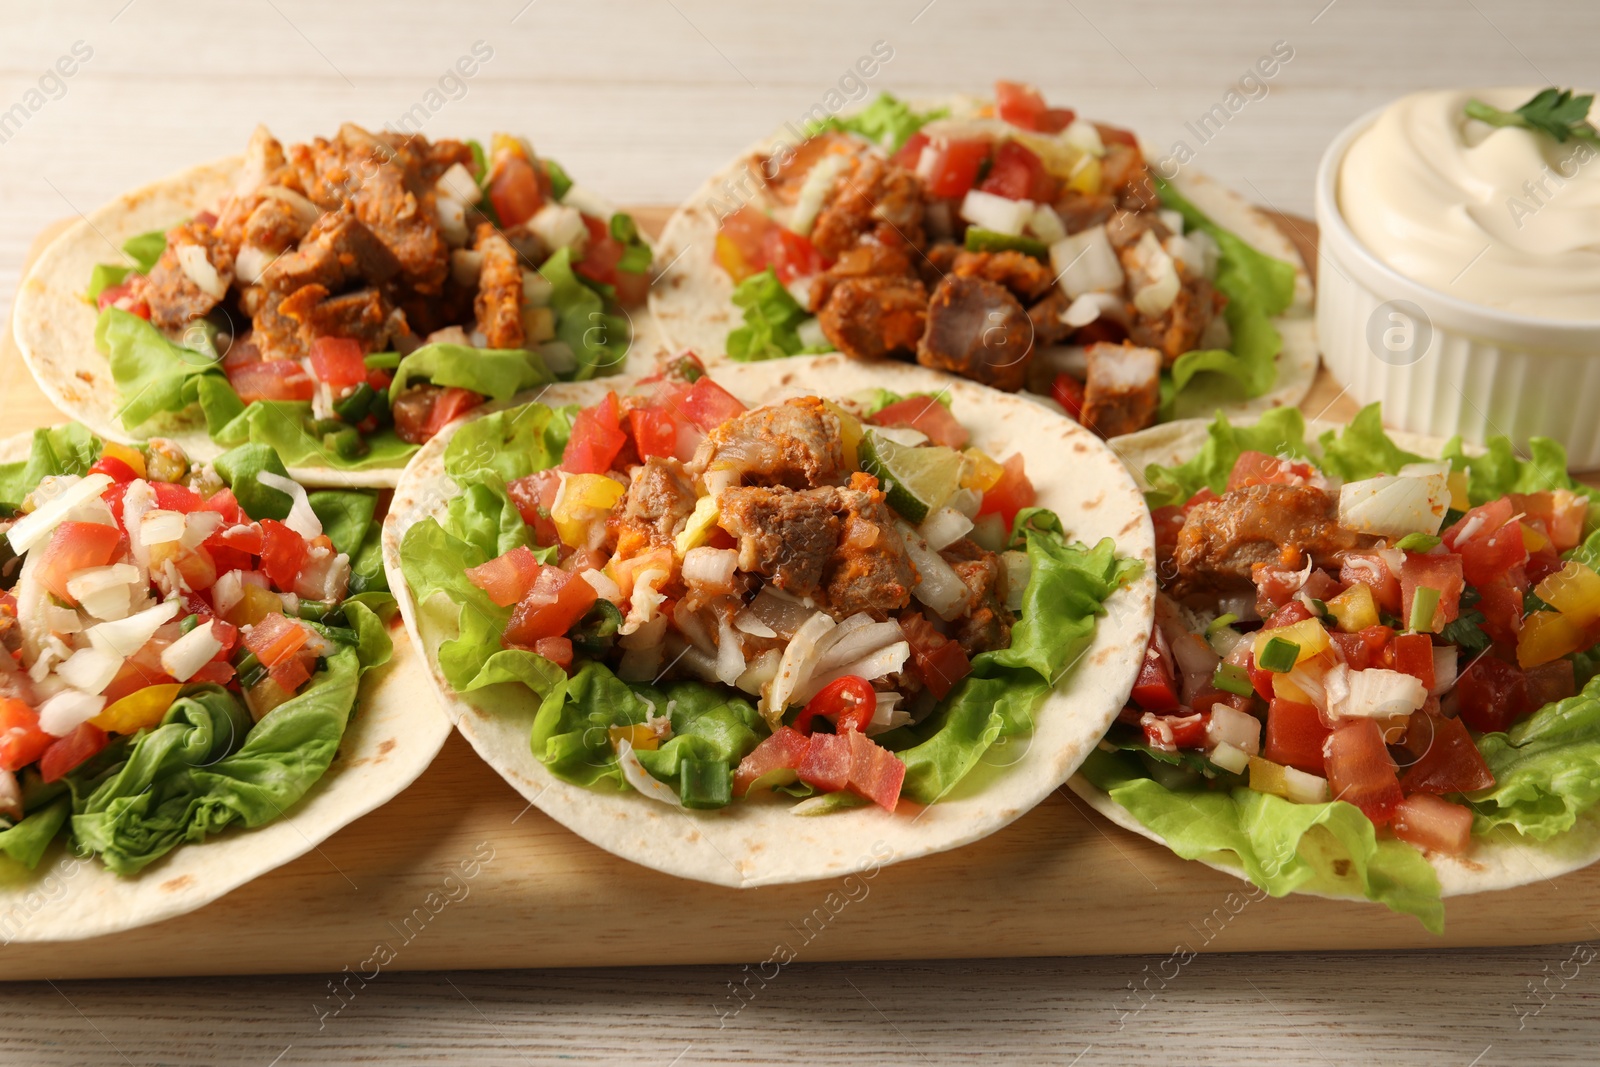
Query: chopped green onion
[[981, 240], [187, 623], [316, 610], [1417, 542], [623, 228], [1219, 622], [560, 181], [704, 783], [1318, 606], [381, 360], [1278, 656], [1424, 602], [1232, 678]]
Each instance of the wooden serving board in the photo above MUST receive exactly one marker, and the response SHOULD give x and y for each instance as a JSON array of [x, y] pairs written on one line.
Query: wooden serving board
[[458, 872]]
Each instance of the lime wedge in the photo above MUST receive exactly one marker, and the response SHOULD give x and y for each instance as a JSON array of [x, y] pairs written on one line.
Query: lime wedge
[[916, 479]]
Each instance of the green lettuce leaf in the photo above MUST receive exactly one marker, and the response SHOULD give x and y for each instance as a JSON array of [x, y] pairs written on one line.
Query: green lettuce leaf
[[1546, 769], [240, 469], [599, 340], [67, 449], [497, 373], [1281, 431], [284, 426], [510, 444], [27, 840], [1362, 450], [772, 318], [145, 249], [887, 121], [103, 277], [1499, 471], [152, 374], [346, 516]]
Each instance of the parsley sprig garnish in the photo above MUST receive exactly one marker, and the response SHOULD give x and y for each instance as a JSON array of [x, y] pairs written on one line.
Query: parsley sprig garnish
[[1554, 111]]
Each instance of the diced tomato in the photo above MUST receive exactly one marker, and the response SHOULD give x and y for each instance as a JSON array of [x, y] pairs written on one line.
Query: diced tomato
[[1542, 563], [217, 672], [876, 774], [1168, 520], [276, 639], [632, 287], [785, 749], [1292, 612], [1172, 732], [1260, 678], [114, 468], [1209, 697], [171, 496], [422, 412], [741, 242], [283, 553], [1276, 585], [75, 547], [955, 164], [1022, 105], [70, 752], [1296, 736], [1370, 648], [1372, 571], [557, 650], [1501, 601], [1413, 655], [226, 633], [940, 661], [1010, 494], [597, 438], [654, 433], [338, 361], [1433, 824], [1487, 541], [231, 541], [224, 503], [1069, 392], [21, 740], [534, 496], [292, 672], [122, 296], [1550, 682], [708, 405], [1446, 760], [911, 151], [790, 255], [847, 702], [1441, 572], [828, 762], [1116, 135], [1492, 694], [1156, 688], [1018, 174], [507, 578], [270, 379], [140, 670], [553, 606], [604, 252], [1562, 512], [1360, 770], [925, 415], [514, 191], [1260, 468]]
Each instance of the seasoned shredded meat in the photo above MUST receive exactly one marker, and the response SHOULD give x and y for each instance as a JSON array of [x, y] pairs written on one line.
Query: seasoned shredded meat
[[794, 444], [1222, 540], [978, 330], [498, 305], [659, 501], [174, 297]]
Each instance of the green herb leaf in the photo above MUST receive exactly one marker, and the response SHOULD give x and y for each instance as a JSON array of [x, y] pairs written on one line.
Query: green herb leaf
[[1556, 112]]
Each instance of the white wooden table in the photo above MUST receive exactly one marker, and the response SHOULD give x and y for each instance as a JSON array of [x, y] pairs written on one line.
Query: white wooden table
[[640, 100]]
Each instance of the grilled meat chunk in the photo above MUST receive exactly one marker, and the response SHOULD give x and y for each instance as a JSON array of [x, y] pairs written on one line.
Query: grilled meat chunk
[[875, 197], [1123, 389], [175, 297], [1221, 541], [1048, 329], [339, 250], [869, 571], [1024, 275], [794, 443], [498, 305], [873, 318], [1083, 211], [362, 315], [659, 501], [786, 536], [987, 624], [978, 330], [1180, 328]]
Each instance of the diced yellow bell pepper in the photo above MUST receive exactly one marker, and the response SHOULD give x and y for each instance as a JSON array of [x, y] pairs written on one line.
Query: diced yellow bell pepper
[[1061, 158], [979, 472], [849, 434], [502, 145], [256, 604], [732, 260], [1532, 539], [131, 456], [639, 736], [1547, 636], [582, 499], [1457, 483], [697, 530], [264, 697], [1354, 609], [141, 708], [1086, 176], [1574, 591], [1307, 633], [1285, 689], [1268, 777]]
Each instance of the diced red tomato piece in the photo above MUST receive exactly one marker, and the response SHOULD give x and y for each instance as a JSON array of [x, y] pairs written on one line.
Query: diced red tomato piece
[[847, 702], [1562, 512], [224, 503], [553, 606], [1441, 572], [1276, 585], [1116, 135], [292, 672], [1487, 541], [245, 539], [283, 553], [955, 164], [1156, 688], [741, 238], [507, 578], [911, 151], [557, 650], [270, 379], [338, 361], [785, 749], [1296, 736], [1501, 601], [876, 774], [925, 415], [1413, 655], [141, 669], [534, 496], [422, 412], [1360, 770], [75, 547], [1024, 106], [940, 661], [170, 496], [1172, 732], [217, 672], [1550, 682], [828, 762], [276, 639], [1372, 571], [514, 191], [1433, 824], [1492, 694], [114, 468], [1292, 612], [21, 740], [654, 433], [790, 255], [1260, 468], [1209, 697], [1260, 678], [1070, 393], [708, 405], [597, 437], [604, 252], [226, 633], [1446, 758], [1010, 494], [379, 379], [70, 752], [1019, 174], [122, 296], [1370, 648]]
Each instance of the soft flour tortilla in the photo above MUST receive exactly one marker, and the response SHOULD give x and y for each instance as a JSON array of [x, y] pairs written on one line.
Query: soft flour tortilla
[[760, 842], [691, 299], [1502, 862], [54, 325], [391, 738]]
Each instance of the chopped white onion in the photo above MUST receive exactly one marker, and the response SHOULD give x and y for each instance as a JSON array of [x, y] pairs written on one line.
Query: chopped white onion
[[1444, 669], [560, 226], [1085, 262], [459, 185], [1087, 308], [200, 525], [1156, 285], [746, 623], [1391, 506], [997, 213], [1377, 693], [124, 637], [106, 592], [711, 568], [189, 653], [1172, 220], [68, 710], [1228, 757], [879, 664], [1303, 788], [938, 585], [34, 527], [160, 527], [888, 715], [302, 520], [635, 774], [305, 212], [536, 289], [198, 269], [1083, 135], [966, 501], [452, 221], [900, 435], [762, 670], [730, 654], [603, 586], [589, 202], [945, 527], [799, 658], [646, 635], [811, 334], [10, 797], [90, 669], [1233, 727], [814, 191], [1046, 225], [778, 611], [251, 263], [856, 637]]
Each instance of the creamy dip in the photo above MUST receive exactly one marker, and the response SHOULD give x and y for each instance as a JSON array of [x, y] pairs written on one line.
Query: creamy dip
[[1504, 217]]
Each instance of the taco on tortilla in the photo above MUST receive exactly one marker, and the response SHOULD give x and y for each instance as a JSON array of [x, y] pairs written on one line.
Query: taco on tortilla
[[191, 650], [677, 613], [338, 300], [1010, 243], [1372, 669]]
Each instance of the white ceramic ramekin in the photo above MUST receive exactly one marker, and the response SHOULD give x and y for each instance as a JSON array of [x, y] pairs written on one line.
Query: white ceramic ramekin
[[1442, 365]]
